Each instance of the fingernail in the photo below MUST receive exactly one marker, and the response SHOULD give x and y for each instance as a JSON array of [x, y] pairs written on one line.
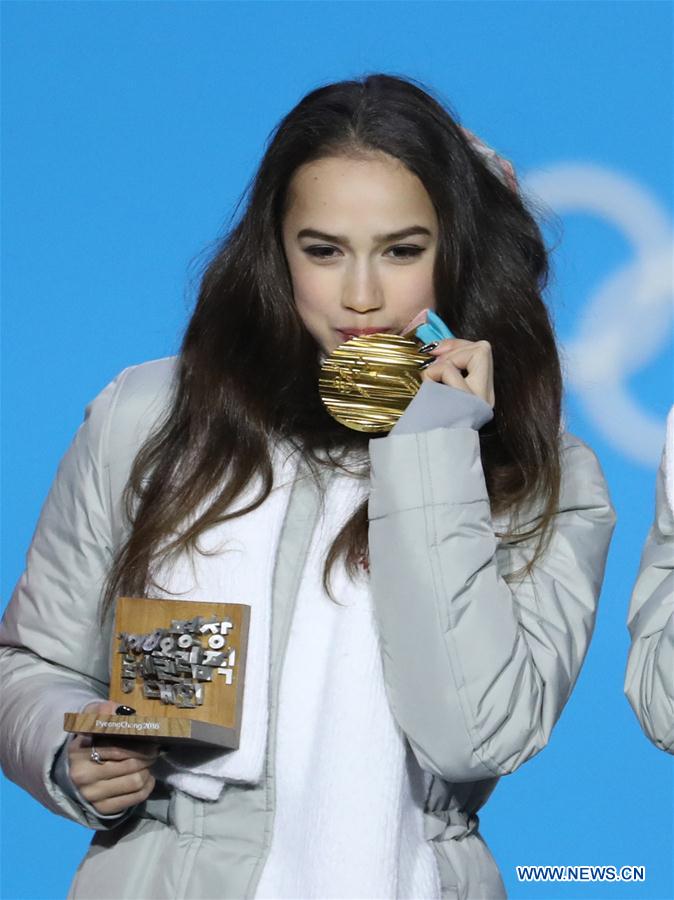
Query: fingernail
[[426, 364], [428, 347], [124, 711]]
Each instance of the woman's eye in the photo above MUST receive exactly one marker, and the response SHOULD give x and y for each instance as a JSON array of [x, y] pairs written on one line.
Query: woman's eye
[[403, 251], [320, 252]]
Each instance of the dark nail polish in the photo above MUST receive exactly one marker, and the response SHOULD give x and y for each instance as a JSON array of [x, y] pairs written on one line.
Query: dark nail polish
[[428, 347], [125, 711]]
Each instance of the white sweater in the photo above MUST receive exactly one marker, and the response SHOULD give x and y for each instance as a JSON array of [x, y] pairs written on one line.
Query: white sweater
[[349, 793]]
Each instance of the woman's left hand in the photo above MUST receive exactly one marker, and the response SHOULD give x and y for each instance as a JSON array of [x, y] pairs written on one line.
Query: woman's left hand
[[466, 365]]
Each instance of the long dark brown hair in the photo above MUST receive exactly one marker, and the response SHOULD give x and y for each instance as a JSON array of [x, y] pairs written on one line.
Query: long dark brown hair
[[248, 368]]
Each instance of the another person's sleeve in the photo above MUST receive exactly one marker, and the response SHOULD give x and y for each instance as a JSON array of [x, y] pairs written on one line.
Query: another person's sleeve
[[649, 679]]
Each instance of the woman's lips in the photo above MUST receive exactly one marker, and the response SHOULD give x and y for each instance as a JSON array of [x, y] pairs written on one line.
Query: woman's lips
[[358, 332]]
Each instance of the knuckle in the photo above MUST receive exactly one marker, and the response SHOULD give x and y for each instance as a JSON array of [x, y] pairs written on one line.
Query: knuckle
[[110, 807], [144, 794], [88, 792], [140, 795], [115, 753], [149, 787], [137, 780], [129, 766]]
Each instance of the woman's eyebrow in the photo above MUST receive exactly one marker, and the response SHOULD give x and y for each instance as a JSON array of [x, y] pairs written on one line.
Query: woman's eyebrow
[[378, 238]]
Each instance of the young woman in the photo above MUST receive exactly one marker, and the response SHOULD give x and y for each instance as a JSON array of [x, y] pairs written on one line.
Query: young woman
[[422, 601]]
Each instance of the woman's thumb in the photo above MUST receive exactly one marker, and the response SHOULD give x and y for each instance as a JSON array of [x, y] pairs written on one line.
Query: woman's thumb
[[104, 707]]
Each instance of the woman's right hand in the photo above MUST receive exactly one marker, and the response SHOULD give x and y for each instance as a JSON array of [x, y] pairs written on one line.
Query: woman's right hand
[[122, 780]]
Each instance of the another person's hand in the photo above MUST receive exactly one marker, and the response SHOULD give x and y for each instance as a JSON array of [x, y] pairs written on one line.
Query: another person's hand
[[455, 356], [123, 777]]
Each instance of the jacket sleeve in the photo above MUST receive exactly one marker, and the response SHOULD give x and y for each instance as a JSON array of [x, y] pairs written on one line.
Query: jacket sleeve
[[53, 651], [478, 668], [649, 680]]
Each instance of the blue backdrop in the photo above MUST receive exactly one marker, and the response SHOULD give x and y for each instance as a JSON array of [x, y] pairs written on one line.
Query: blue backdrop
[[130, 129]]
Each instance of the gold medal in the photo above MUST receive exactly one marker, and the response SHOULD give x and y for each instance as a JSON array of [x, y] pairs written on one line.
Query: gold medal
[[368, 382]]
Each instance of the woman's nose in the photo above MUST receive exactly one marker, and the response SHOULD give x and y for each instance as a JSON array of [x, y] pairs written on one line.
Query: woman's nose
[[362, 292]]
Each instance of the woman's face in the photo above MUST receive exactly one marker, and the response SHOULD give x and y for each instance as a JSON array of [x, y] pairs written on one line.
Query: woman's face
[[360, 237]]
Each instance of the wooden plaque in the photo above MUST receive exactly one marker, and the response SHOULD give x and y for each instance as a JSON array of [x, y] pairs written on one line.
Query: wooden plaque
[[180, 665]]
